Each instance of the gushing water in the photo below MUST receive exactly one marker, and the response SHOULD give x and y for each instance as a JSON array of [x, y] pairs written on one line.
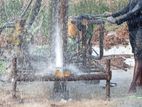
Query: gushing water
[[58, 39], [58, 47]]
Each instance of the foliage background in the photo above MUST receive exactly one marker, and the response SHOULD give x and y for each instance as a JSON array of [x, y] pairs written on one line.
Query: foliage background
[[10, 9]]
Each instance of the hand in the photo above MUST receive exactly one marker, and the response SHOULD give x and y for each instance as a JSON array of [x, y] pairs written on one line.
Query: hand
[[111, 20], [107, 14]]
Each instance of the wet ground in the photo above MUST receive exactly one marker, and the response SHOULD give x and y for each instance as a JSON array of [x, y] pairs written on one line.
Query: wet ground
[[81, 94]]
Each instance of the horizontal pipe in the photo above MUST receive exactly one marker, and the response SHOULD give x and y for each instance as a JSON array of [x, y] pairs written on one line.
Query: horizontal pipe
[[98, 76], [118, 55]]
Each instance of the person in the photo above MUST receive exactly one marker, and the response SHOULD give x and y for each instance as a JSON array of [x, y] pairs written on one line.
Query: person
[[132, 14]]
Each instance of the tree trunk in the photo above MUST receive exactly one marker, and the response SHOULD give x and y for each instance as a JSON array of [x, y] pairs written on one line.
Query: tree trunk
[[35, 11], [63, 22]]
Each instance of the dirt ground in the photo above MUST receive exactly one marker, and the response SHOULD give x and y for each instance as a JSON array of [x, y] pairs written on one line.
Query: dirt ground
[[82, 94]]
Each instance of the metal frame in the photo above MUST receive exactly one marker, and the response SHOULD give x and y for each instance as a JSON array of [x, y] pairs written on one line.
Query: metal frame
[[106, 75], [27, 77]]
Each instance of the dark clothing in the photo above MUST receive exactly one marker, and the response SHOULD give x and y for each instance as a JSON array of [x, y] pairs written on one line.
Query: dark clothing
[[138, 44], [135, 38], [132, 14], [132, 38]]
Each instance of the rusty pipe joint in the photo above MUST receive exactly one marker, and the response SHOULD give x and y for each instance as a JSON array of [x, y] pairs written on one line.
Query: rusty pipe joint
[[60, 73]]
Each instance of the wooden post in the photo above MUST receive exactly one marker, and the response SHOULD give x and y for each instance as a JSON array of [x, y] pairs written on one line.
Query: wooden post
[[108, 73], [14, 77]]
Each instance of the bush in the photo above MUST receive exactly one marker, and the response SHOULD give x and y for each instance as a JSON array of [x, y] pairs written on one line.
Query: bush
[[94, 6], [13, 8]]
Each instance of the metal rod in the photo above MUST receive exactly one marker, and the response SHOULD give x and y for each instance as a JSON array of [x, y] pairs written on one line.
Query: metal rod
[[117, 55], [98, 76], [108, 72], [14, 79]]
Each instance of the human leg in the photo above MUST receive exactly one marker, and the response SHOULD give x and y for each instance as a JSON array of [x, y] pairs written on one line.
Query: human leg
[[137, 49]]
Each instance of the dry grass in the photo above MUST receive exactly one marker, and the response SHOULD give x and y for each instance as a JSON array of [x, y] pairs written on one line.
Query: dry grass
[[33, 96]]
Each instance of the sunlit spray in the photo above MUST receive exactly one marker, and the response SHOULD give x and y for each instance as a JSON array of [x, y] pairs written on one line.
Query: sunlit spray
[[58, 47]]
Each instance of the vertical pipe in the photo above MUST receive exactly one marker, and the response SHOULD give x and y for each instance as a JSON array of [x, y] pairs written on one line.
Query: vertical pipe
[[63, 17], [14, 77], [84, 45], [108, 72], [101, 39]]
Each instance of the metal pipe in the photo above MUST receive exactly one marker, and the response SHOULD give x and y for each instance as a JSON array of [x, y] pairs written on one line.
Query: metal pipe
[[108, 72], [101, 43], [14, 79], [29, 77], [98, 76]]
